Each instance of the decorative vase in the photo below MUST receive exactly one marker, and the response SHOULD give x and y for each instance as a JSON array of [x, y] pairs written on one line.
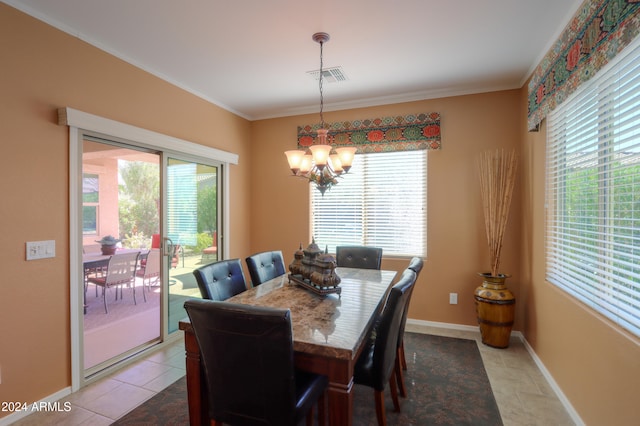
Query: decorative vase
[[495, 307], [108, 249], [108, 244]]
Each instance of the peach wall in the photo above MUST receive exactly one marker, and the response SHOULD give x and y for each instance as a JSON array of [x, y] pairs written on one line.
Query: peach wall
[[456, 237], [42, 70], [594, 362]]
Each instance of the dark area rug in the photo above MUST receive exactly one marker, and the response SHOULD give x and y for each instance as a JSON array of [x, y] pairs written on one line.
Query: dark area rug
[[446, 382]]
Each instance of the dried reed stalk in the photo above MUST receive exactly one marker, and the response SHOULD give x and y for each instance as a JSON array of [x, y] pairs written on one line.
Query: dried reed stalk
[[497, 176]]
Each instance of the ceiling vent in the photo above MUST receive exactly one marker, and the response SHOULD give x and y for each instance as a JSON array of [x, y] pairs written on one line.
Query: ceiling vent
[[329, 75]]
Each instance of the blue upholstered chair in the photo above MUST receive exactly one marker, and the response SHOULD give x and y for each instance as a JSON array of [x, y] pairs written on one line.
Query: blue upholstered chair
[[265, 266], [221, 280]]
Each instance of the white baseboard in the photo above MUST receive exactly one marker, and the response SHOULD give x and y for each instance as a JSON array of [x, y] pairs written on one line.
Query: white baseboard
[[420, 325], [33, 407], [561, 396]]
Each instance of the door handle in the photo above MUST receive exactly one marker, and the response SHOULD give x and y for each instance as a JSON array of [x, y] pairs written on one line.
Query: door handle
[[168, 247]]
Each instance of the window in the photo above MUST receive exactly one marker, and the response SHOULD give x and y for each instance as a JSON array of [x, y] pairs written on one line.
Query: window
[[593, 193], [90, 200], [381, 202]]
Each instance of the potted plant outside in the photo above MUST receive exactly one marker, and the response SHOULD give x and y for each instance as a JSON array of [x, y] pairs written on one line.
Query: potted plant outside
[[495, 304], [108, 244]]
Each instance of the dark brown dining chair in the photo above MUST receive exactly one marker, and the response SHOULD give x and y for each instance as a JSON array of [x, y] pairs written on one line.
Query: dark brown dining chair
[[363, 257], [375, 366], [247, 353], [415, 265], [221, 280], [121, 271], [265, 266]]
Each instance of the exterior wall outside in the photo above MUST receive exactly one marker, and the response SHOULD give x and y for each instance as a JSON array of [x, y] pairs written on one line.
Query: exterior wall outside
[[107, 217], [594, 362], [44, 69]]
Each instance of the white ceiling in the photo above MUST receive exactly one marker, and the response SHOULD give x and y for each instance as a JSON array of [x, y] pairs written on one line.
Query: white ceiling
[[251, 57]]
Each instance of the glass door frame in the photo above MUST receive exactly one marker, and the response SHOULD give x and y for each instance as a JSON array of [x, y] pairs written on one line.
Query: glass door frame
[[166, 242], [80, 122]]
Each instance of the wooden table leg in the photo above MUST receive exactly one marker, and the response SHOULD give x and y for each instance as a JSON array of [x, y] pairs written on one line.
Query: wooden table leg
[[196, 386], [341, 404]]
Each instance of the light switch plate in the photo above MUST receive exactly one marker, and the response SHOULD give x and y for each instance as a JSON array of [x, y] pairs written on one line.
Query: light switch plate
[[41, 249]]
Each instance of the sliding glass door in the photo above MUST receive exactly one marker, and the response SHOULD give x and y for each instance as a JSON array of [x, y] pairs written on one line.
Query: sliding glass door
[[158, 196], [192, 223], [172, 226], [120, 203]]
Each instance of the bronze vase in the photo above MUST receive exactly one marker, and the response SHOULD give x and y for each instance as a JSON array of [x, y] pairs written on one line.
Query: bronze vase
[[495, 307]]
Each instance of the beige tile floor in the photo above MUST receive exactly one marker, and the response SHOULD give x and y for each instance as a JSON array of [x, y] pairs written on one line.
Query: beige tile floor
[[523, 395]]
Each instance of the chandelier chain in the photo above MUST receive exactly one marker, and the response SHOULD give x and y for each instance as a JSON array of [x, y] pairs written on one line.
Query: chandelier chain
[[320, 85]]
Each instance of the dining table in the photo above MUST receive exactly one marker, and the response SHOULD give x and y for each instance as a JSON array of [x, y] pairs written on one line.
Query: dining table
[[329, 333]]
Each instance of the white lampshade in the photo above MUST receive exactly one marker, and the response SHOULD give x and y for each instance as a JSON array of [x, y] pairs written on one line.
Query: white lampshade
[[294, 157], [306, 164], [346, 155], [320, 154], [336, 165]]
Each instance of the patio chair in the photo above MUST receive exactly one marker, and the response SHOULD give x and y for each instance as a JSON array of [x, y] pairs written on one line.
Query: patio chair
[[149, 270], [120, 271]]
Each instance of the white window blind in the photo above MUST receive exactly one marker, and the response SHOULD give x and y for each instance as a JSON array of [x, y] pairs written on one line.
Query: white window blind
[[381, 202], [593, 193]]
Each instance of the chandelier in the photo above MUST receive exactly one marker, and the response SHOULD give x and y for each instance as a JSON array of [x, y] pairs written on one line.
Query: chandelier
[[321, 164]]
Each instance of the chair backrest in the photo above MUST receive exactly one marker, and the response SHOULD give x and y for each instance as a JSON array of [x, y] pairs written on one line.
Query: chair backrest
[[221, 280], [388, 329], [265, 266], [247, 352], [121, 268], [152, 265], [416, 264], [155, 241], [411, 278], [359, 257]]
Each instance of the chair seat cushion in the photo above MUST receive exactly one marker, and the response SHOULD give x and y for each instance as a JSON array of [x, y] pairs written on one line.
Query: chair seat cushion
[[98, 280], [309, 387]]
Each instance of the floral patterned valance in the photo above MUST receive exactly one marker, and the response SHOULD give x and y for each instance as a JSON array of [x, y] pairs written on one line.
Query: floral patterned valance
[[399, 133], [599, 30]]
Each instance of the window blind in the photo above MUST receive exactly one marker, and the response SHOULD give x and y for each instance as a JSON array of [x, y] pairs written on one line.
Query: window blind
[[381, 202], [593, 193]]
